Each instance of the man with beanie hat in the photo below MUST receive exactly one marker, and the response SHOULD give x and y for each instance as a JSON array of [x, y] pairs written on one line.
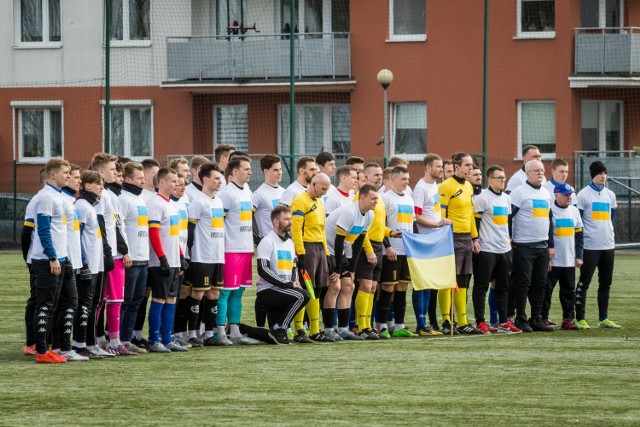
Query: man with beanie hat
[[597, 205]]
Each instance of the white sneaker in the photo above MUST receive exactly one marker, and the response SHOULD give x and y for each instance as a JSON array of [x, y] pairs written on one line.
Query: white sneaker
[[244, 340], [222, 340], [99, 352], [158, 348], [333, 335], [72, 356], [174, 346]]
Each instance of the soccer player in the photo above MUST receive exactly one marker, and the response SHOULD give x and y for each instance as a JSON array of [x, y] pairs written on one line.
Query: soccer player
[[532, 232], [529, 153], [597, 205], [447, 170], [279, 290], [181, 201], [426, 206], [476, 180], [151, 167], [343, 193], [559, 175], [493, 207], [268, 195], [136, 220], [355, 162], [310, 240], [165, 262], [194, 189], [206, 244], [326, 162], [222, 155], [395, 269], [568, 240], [48, 254], [91, 245], [307, 169], [456, 195], [238, 245]]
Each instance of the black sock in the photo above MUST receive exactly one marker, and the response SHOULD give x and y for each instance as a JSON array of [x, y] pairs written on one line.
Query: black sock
[[180, 321], [261, 314], [327, 316], [209, 315], [400, 305], [100, 329], [343, 317], [142, 314], [383, 305], [192, 312]]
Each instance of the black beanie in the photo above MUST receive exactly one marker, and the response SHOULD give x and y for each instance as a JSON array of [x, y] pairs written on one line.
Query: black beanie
[[597, 168]]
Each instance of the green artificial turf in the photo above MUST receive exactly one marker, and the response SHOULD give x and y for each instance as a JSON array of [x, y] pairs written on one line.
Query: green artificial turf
[[560, 378]]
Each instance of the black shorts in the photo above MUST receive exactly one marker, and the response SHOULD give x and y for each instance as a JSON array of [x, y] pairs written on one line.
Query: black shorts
[[163, 287], [367, 271], [395, 271], [185, 279], [344, 262], [316, 264], [206, 276]]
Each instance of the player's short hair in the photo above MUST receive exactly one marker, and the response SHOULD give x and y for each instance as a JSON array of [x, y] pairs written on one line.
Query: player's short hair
[[354, 160], [559, 162], [178, 161], [73, 167], [398, 170], [430, 158], [397, 161], [197, 162], [267, 162], [122, 160], [234, 163], [100, 160], [129, 168], [456, 158], [370, 165], [148, 164], [238, 153], [223, 149], [366, 189], [324, 157], [302, 162], [386, 173], [206, 169], [530, 164], [278, 210], [164, 171], [528, 148], [494, 168], [42, 176], [344, 171], [446, 162], [90, 177], [55, 164]]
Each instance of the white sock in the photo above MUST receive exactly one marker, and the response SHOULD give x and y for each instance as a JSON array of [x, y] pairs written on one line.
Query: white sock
[[115, 342], [77, 344], [221, 332], [391, 324], [101, 340], [138, 335], [383, 326], [276, 326], [399, 326], [340, 330], [234, 331], [208, 334], [193, 334]]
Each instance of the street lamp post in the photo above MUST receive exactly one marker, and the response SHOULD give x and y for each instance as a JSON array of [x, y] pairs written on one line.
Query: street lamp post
[[385, 77]]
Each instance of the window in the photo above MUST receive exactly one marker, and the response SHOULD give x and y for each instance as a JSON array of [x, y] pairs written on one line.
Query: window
[[131, 22], [321, 127], [131, 129], [340, 16], [231, 126], [536, 18], [319, 17], [37, 23], [230, 15], [601, 13], [40, 130], [408, 20], [409, 130], [602, 125], [537, 126]]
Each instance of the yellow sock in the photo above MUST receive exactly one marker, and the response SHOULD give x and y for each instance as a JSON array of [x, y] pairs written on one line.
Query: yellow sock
[[372, 298], [313, 311], [362, 304], [298, 320], [444, 301], [460, 302]]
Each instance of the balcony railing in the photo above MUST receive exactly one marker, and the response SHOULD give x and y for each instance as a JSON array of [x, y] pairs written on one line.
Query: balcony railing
[[607, 50], [317, 55]]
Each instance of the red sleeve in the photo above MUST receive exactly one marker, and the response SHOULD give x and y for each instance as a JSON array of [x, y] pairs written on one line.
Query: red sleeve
[[417, 210], [156, 244]]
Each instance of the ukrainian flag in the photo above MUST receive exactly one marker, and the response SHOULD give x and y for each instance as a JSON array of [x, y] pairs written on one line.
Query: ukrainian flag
[[431, 259], [565, 227], [500, 215], [174, 225], [600, 211], [143, 216], [540, 208], [354, 232], [245, 211], [436, 203], [405, 214], [217, 218], [184, 219], [285, 261], [76, 221]]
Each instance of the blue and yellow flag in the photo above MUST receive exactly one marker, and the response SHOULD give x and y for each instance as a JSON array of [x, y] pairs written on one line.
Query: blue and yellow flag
[[431, 259]]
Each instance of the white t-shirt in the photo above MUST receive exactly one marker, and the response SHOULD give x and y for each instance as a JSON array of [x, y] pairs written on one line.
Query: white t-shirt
[[106, 208], [191, 191], [331, 189], [596, 207], [30, 219], [136, 224], [518, 179], [146, 194], [426, 201], [351, 221], [184, 223], [73, 230], [566, 221], [291, 192], [164, 215], [336, 199], [238, 209], [208, 235], [531, 222], [494, 227], [399, 216], [50, 204], [264, 200], [91, 237], [281, 255]]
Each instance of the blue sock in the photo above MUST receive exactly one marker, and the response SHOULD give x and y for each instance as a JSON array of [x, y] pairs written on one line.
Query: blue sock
[[223, 302], [493, 306], [352, 315], [418, 308], [426, 298], [235, 306], [168, 314], [155, 312]]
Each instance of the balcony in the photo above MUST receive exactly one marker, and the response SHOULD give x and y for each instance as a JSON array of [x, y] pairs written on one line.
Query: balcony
[[607, 51], [235, 58]]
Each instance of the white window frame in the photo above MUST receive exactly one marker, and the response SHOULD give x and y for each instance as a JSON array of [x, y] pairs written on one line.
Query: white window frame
[[127, 105], [326, 16], [545, 156], [404, 37], [602, 122], [215, 123], [327, 128], [126, 41], [531, 34], [45, 43], [392, 133], [602, 13], [47, 106]]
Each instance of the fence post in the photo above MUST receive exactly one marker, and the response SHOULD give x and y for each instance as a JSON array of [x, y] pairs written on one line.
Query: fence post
[[15, 201], [629, 216]]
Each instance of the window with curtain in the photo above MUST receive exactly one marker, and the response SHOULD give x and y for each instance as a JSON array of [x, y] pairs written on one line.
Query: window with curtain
[[536, 16], [131, 20], [40, 134], [131, 132], [321, 127], [600, 13], [602, 125], [39, 20], [285, 16], [408, 19], [537, 126], [313, 18], [232, 126], [231, 16], [409, 129]]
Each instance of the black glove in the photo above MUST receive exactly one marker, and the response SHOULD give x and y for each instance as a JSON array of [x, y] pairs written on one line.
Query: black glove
[[184, 265], [108, 262], [85, 274], [301, 264], [165, 270]]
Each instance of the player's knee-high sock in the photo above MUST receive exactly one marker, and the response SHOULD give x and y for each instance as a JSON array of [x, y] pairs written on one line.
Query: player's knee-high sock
[[113, 321], [221, 316], [400, 308], [183, 315], [493, 306], [190, 315], [142, 313], [166, 323], [419, 309], [444, 301], [235, 306], [370, 310], [261, 314], [313, 311], [384, 304], [362, 306], [155, 315], [210, 311], [460, 303], [298, 319]]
